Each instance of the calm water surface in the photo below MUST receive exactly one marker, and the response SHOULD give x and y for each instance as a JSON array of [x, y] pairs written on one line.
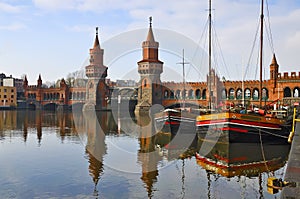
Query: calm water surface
[[76, 155]]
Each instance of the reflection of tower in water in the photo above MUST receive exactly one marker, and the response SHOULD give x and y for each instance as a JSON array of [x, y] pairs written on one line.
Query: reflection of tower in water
[[39, 127], [147, 155], [95, 147], [95, 169]]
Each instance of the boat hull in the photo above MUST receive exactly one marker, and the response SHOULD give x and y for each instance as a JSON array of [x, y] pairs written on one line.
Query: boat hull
[[242, 128], [175, 122]]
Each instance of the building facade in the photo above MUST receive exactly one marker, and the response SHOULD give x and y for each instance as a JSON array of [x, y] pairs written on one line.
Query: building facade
[[284, 87], [96, 87], [151, 90], [8, 96], [92, 94]]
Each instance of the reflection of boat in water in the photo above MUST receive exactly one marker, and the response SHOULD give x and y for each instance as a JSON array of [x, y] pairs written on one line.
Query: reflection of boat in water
[[241, 126], [243, 159]]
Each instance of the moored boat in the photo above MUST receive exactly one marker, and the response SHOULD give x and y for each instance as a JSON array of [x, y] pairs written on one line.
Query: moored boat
[[243, 125], [175, 120], [237, 127]]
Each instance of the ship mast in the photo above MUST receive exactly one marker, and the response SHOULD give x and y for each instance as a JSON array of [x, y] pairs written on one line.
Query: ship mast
[[183, 77], [261, 52], [209, 57]]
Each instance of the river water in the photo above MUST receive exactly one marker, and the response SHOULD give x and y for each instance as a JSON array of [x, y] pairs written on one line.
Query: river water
[[101, 155]]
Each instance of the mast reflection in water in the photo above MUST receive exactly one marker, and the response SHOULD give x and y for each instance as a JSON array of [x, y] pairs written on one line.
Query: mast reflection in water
[[92, 155]]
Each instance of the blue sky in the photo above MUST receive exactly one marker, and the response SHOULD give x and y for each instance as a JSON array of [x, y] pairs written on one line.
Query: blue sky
[[53, 37]]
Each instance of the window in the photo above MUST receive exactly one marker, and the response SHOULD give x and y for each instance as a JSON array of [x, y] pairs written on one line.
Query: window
[[5, 90], [12, 96], [12, 90], [11, 100], [4, 96]]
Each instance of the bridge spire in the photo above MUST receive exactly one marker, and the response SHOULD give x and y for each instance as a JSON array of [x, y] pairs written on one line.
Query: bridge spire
[[39, 81], [96, 43]]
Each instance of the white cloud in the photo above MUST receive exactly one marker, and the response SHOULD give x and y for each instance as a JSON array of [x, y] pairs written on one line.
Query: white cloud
[[4, 7], [56, 4]]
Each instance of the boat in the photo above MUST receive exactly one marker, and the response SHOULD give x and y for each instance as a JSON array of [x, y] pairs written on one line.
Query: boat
[[232, 125], [243, 159], [174, 120]]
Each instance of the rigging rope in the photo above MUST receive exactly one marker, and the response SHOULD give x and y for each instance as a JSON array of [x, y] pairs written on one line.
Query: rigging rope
[[270, 37], [252, 50], [195, 52], [262, 151], [221, 52]]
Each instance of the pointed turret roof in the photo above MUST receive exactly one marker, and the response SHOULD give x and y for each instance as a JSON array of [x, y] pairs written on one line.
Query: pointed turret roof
[[150, 36], [40, 78], [96, 43], [274, 61]]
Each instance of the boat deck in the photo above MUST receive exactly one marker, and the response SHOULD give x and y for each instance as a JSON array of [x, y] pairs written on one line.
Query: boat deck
[[292, 173]]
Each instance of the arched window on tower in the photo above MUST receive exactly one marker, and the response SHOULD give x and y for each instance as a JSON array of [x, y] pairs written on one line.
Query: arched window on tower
[[166, 94], [224, 93], [191, 94], [287, 92], [177, 95], [296, 92], [265, 94], [198, 94], [255, 94], [231, 94], [204, 94], [171, 94], [239, 93], [247, 93]]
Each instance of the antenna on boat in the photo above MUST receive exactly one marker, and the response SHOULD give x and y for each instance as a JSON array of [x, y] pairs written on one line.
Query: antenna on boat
[[261, 51], [183, 78]]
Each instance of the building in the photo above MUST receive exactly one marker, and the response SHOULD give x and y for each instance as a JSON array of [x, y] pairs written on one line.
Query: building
[[8, 97], [91, 92], [96, 88], [151, 90], [149, 68], [284, 87], [11, 90]]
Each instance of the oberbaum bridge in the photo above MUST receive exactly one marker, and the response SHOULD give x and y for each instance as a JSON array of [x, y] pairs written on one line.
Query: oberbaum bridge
[[99, 95]]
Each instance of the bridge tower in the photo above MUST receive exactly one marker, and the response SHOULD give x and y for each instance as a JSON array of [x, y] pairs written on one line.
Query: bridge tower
[[149, 68], [96, 88]]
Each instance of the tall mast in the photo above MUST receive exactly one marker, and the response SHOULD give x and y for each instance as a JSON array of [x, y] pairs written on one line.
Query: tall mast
[[209, 55], [261, 51], [183, 78]]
